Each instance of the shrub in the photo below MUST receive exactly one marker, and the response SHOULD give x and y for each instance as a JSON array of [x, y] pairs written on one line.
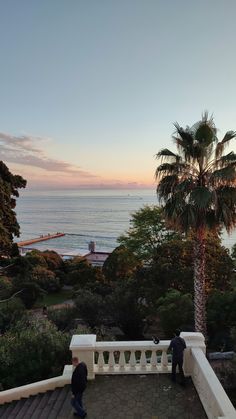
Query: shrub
[[46, 279], [90, 307], [32, 351], [5, 287], [10, 313], [63, 318]]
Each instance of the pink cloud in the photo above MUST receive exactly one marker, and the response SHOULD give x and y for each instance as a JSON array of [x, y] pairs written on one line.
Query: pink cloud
[[22, 150]]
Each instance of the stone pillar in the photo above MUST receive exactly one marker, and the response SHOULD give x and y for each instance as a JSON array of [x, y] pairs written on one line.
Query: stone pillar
[[82, 347], [192, 340]]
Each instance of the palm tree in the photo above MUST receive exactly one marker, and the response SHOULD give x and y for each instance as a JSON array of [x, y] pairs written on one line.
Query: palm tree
[[198, 190]]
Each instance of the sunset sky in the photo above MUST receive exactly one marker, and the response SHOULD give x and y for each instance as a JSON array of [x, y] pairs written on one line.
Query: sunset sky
[[90, 88]]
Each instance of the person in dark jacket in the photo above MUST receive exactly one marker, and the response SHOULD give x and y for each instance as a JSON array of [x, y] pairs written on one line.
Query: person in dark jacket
[[178, 345], [78, 385]]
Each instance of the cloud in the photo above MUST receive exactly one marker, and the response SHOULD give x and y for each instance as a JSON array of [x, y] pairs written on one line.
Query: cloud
[[25, 150]]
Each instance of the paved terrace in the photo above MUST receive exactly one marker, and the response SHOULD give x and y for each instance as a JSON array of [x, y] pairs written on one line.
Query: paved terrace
[[115, 397]]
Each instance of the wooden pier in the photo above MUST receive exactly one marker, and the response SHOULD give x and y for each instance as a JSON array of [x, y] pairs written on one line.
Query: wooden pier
[[40, 239]]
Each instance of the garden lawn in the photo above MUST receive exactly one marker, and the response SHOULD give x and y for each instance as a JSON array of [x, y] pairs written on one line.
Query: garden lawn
[[54, 298]]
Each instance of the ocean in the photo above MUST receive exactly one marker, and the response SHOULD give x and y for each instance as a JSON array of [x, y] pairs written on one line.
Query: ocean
[[99, 215]]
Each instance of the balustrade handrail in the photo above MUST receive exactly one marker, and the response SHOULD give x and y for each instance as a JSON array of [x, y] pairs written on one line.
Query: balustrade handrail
[[132, 346]]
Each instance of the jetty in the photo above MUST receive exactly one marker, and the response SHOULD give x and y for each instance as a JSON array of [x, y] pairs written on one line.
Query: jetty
[[40, 239]]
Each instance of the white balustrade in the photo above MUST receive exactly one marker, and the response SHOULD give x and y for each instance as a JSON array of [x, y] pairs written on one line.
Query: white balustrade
[[138, 357]]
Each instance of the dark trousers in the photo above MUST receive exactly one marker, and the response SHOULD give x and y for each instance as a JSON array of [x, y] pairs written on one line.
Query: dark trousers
[[178, 362], [78, 404]]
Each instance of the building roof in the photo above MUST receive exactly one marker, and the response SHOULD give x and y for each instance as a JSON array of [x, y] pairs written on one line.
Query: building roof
[[115, 397], [96, 258]]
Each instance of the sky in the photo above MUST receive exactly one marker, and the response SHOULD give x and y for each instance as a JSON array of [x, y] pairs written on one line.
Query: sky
[[90, 89]]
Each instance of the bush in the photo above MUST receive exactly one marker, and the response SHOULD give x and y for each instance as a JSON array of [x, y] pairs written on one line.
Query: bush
[[30, 291], [63, 318], [46, 279], [5, 287], [53, 260], [32, 351], [80, 273], [10, 313], [90, 307]]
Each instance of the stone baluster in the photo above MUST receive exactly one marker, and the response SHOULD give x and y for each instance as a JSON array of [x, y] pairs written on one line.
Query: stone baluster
[[164, 360], [101, 361], [143, 360], [154, 360], [111, 361], [122, 360], [132, 360]]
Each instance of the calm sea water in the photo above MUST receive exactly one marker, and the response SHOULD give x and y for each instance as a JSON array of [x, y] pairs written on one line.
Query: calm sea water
[[84, 215]]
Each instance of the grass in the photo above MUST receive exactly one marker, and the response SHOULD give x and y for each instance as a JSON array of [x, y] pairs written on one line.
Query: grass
[[54, 298]]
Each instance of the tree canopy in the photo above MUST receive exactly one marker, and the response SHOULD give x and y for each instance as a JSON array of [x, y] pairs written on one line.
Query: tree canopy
[[147, 231], [9, 227]]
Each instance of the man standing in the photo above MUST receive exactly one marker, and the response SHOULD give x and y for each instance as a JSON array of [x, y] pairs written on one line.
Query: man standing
[[178, 346], [78, 385]]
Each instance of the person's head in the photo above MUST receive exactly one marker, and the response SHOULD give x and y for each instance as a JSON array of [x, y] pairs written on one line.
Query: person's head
[[75, 361], [177, 332]]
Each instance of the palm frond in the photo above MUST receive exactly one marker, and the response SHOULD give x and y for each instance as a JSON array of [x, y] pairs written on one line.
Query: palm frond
[[167, 169], [226, 194], [225, 175], [168, 154], [166, 186], [224, 143], [226, 206], [201, 198], [186, 185], [174, 206], [226, 159], [185, 134]]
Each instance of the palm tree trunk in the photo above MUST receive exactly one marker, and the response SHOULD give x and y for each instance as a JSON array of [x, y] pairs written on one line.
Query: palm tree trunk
[[199, 283]]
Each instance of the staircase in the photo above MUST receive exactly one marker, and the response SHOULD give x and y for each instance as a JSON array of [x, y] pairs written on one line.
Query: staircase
[[50, 405]]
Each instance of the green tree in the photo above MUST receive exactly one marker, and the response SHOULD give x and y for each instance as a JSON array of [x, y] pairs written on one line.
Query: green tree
[[127, 309], [120, 264], [146, 233], [175, 310], [173, 267], [221, 315], [53, 260], [80, 273], [9, 227], [197, 188], [90, 307], [45, 278]]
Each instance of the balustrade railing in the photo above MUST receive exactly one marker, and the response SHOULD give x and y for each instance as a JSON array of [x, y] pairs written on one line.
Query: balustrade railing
[[131, 357]]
